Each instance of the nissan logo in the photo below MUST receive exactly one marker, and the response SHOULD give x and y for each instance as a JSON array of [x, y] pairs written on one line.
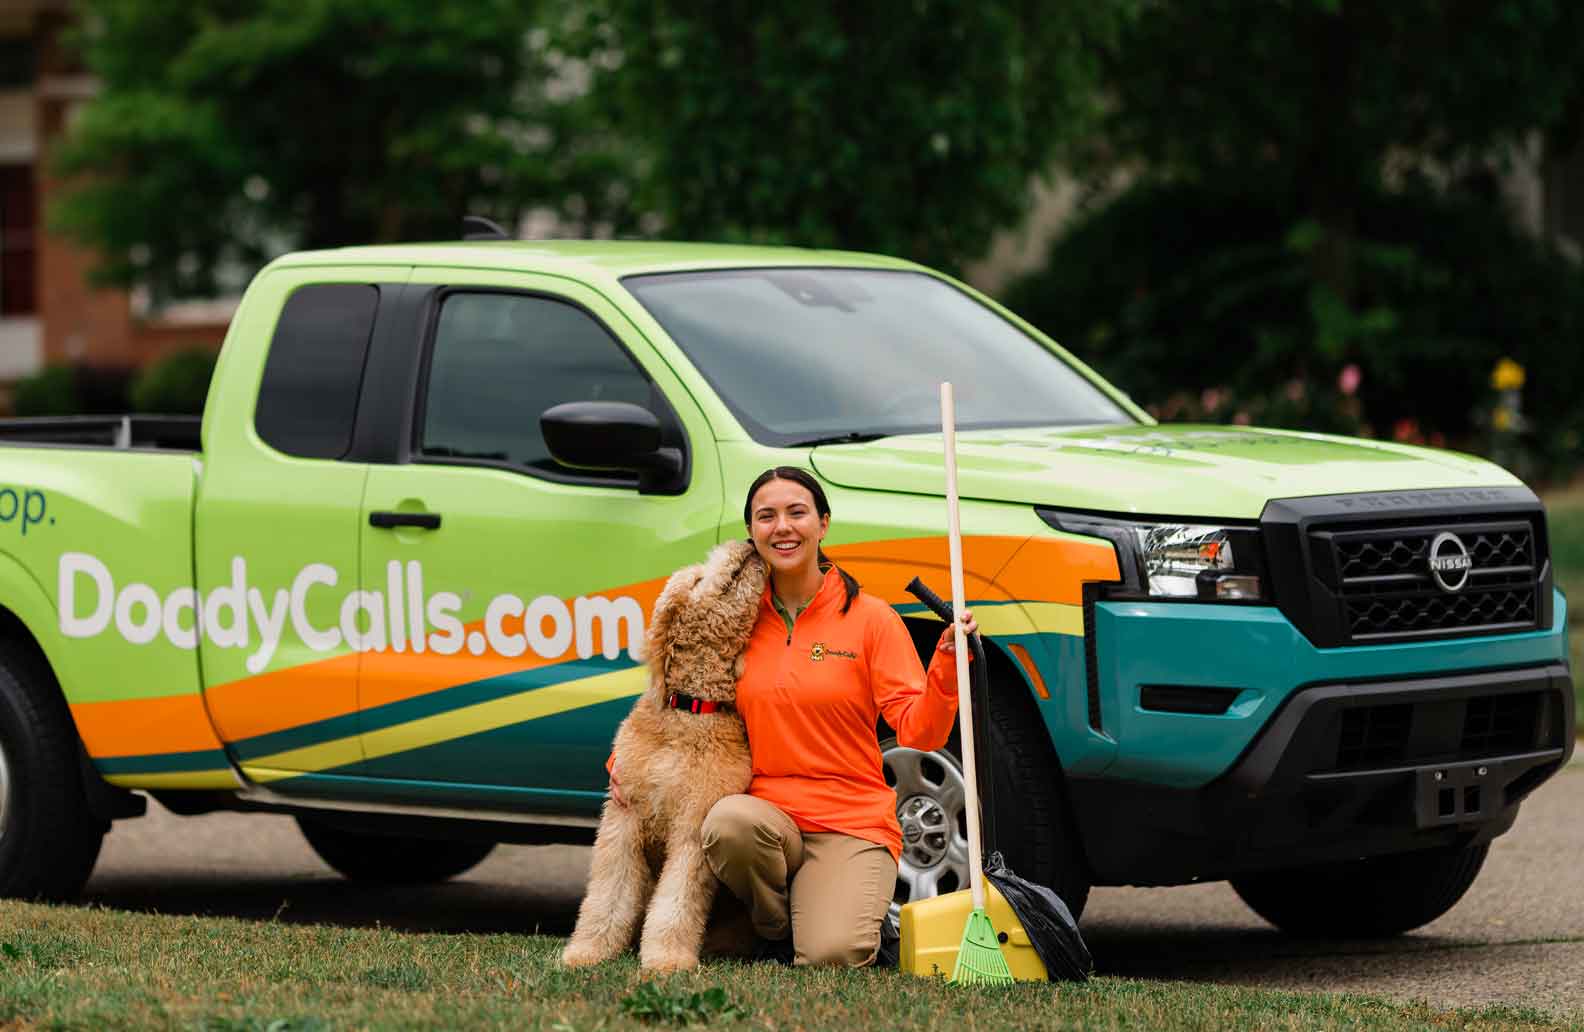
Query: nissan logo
[[1449, 562]]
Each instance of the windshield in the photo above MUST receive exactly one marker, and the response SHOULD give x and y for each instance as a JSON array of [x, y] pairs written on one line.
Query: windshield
[[806, 355]]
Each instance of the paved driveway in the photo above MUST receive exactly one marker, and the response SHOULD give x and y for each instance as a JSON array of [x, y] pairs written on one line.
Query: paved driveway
[[1517, 938]]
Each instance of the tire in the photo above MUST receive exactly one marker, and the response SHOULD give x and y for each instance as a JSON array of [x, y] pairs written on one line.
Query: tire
[[391, 859], [1371, 898], [1033, 829], [49, 839]]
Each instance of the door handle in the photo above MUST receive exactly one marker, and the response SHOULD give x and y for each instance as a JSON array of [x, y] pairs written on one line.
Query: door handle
[[421, 520]]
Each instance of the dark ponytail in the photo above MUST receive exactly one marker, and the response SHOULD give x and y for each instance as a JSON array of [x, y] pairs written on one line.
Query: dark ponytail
[[805, 479]]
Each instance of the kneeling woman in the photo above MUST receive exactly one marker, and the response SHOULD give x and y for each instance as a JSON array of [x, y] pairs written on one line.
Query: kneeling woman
[[812, 847]]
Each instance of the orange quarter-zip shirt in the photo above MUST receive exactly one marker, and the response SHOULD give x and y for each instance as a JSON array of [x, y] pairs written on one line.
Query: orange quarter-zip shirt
[[810, 696]]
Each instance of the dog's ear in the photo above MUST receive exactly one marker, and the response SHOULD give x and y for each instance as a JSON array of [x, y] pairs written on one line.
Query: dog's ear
[[739, 554], [752, 569], [746, 560], [724, 568], [671, 603]]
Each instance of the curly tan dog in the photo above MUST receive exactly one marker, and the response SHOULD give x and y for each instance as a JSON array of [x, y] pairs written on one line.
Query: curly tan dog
[[674, 765]]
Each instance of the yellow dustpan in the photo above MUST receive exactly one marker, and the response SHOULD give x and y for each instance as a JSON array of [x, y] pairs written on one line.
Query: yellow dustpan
[[932, 931]]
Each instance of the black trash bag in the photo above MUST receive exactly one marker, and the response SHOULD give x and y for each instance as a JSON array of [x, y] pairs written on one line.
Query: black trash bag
[[1048, 922]]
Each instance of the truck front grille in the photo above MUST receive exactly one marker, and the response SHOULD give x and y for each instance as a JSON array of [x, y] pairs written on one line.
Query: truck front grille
[[1382, 583], [1371, 557], [1487, 611]]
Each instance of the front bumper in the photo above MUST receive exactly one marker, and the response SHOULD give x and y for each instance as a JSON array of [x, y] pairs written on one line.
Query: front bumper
[[1320, 754]]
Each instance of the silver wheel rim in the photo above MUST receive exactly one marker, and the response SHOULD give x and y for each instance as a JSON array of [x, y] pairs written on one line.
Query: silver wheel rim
[[931, 801], [5, 793]]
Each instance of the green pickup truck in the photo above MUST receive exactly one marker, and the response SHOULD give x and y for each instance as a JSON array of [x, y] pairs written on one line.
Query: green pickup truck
[[393, 581]]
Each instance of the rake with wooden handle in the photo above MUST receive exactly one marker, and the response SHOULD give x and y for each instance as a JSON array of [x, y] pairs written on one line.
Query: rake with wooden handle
[[979, 958]]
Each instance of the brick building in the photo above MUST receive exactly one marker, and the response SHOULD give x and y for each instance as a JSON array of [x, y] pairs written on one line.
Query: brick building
[[48, 311]]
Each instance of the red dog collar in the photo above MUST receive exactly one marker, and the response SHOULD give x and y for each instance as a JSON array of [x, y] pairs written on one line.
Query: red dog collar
[[676, 700]]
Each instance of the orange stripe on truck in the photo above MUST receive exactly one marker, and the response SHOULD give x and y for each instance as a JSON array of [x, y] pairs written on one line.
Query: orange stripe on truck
[[144, 727], [1055, 570], [995, 568], [282, 699], [884, 568]]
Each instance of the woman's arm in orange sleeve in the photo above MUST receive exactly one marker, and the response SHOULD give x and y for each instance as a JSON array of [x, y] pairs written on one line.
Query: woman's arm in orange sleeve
[[920, 707], [615, 784]]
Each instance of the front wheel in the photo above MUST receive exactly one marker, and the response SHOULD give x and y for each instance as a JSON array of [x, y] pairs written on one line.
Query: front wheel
[[392, 859], [1035, 834], [1371, 898]]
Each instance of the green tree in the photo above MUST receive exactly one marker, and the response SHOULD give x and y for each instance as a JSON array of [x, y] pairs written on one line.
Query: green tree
[[1317, 104], [1315, 185], [228, 130], [910, 128]]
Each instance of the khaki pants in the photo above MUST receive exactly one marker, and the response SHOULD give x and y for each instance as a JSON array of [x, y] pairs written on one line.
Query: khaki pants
[[829, 891]]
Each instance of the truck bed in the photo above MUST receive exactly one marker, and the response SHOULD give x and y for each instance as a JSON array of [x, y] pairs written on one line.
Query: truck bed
[[165, 433]]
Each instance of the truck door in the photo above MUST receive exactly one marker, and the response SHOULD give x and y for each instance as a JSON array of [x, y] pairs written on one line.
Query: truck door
[[276, 533], [512, 589]]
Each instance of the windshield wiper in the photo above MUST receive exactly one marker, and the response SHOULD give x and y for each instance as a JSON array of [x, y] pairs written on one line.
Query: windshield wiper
[[851, 437]]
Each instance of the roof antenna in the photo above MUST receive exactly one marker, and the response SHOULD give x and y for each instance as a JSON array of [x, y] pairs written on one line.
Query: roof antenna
[[477, 227]]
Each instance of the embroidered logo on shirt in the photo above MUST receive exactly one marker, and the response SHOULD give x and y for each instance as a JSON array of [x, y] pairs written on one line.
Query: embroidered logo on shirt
[[819, 652]]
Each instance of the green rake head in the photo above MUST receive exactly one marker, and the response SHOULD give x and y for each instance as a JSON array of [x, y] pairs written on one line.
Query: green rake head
[[979, 959]]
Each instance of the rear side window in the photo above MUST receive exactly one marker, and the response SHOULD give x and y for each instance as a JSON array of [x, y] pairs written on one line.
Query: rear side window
[[500, 360], [308, 399]]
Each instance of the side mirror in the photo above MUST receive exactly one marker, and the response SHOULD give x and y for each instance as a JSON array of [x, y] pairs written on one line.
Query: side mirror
[[613, 435]]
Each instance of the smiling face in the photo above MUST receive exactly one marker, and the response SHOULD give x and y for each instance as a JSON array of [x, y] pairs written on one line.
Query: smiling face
[[785, 527]]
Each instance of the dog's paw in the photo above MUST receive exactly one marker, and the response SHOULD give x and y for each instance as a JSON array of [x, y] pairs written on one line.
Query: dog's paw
[[667, 960], [582, 954]]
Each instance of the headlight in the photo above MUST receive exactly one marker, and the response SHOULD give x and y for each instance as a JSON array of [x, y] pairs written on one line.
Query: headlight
[[1193, 561], [1205, 562]]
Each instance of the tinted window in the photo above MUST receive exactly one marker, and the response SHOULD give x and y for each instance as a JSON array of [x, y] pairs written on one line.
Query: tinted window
[[799, 354], [500, 360], [309, 396]]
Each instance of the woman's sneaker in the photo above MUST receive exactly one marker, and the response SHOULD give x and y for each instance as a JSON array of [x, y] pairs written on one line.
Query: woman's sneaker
[[890, 953]]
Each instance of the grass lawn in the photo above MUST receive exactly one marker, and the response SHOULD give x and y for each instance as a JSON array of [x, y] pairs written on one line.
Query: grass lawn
[[75, 967], [1565, 520]]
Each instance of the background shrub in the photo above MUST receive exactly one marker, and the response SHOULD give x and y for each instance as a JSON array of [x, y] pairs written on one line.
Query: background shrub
[[175, 385], [52, 391]]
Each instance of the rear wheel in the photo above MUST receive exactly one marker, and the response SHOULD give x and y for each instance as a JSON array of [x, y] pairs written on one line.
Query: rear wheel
[[1370, 898], [1032, 828], [49, 839], [393, 859]]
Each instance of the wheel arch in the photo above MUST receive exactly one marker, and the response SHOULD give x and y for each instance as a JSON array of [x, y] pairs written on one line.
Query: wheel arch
[[27, 616], [1004, 669], [25, 611], [1020, 709]]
